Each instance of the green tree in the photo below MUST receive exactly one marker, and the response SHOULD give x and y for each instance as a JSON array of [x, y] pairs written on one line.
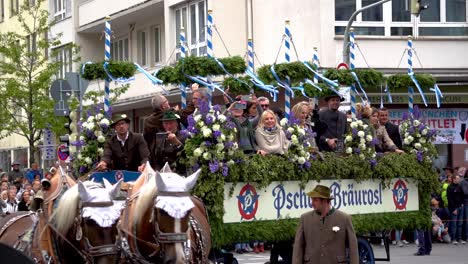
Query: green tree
[[27, 68]]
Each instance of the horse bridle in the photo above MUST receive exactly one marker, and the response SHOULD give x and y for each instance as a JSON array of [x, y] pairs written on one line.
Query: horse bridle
[[170, 238], [90, 252]]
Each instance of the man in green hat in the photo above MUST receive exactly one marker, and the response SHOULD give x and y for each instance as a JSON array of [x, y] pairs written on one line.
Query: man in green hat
[[125, 150], [168, 145], [324, 233]]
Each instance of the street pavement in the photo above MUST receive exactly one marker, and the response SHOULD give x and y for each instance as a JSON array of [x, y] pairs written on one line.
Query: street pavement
[[441, 254]]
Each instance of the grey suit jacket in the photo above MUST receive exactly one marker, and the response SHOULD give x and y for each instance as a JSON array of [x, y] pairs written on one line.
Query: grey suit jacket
[[316, 241]]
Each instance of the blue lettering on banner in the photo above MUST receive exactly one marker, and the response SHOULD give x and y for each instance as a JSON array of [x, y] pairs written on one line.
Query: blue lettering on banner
[[352, 197], [343, 196], [289, 200]]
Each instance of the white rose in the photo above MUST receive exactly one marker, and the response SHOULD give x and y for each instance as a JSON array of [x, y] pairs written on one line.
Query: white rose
[[353, 125], [90, 125], [197, 152], [79, 156], [104, 122], [284, 122], [362, 141], [406, 141], [216, 127], [307, 155], [291, 130], [220, 146], [362, 156], [98, 133], [425, 149], [230, 162], [235, 146], [222, 118], [424, 132], [88, 160], [206, 132], [293, 137], [101, 139], [73, 137], [361, 134], [348, 138], [301, 131], [197, 118], [359, 122], [99, 116], [301, 160], [100, 151], [422, 140], [84, 124], [365, 126], [406, 134], [207, 156], [362, 147], [90, 119], [200, 124], [369, 138], [416, 123], [222, 137], [417, 145], [82, 138], [410, 138], [230, 137], [349, 150]]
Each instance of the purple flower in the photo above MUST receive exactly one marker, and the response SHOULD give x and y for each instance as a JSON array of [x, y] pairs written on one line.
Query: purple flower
[[191, 121], [228, 144], [229, 125], [203, 107], [195, 167], [354, 131], [375, 142], [419, 156], [214, 166], [208, 143], [90, 134], [217, 133], [83, 169], [373, 163], [416, 112], [184, 133], [405, 116], [209, 120], [307, 164], [287, 134], [78, 143], [217, 108], [357, 150], [293, 121], [431, 133], [225, 170], [98, 107]]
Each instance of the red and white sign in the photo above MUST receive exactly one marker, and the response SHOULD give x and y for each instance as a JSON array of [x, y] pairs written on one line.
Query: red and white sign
[[61, 154]]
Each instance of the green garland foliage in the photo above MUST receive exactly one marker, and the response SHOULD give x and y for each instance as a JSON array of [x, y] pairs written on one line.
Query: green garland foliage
[[202, 66], [399, 82], [262, 170], [296, 71], [369, 78], [118, 69]]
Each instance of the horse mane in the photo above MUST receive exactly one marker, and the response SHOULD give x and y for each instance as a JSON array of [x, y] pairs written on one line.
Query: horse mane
[[66, 211], [145, 199]]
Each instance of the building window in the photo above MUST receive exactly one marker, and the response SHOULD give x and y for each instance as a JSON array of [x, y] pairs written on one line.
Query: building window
[[443, 18], [14, 7], [142, 48], [2, 10], [157, 45], [60, 9], [65, 57], [31, 42], [192, 17], [119, 51]]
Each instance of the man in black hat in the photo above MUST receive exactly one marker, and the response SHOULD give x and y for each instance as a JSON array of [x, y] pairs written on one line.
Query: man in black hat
[[125, 150], [325, 233], [332, 139], [15, 175]]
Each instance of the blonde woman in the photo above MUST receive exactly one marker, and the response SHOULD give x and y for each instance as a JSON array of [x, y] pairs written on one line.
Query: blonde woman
[[301, 112], [270, 136]]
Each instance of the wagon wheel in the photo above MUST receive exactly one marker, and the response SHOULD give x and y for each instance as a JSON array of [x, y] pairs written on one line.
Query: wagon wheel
[[366, 254]]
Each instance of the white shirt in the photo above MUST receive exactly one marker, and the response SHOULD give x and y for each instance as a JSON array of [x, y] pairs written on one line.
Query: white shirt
[[11, 207], [122, 141]]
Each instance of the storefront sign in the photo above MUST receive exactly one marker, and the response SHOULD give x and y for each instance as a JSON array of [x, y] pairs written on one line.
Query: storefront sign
[[400, 98], [451, 123], [288, 200]]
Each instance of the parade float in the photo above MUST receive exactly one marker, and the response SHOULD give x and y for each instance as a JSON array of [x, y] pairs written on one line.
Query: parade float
[[262, 197]]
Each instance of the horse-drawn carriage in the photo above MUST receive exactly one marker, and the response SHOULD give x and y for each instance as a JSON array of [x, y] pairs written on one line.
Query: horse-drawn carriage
[[79, 221]]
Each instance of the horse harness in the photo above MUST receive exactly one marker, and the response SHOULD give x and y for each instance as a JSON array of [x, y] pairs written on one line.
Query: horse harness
[[89, 252]]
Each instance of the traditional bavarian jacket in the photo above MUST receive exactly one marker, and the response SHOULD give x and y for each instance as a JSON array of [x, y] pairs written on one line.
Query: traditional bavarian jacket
[[336, 127], [130, 156], [163, 151]]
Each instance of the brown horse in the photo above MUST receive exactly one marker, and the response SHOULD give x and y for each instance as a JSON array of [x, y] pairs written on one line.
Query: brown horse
[[81, 229], [162, 223]]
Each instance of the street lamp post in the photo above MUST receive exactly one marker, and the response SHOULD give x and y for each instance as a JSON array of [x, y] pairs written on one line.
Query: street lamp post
[[350, 23]]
